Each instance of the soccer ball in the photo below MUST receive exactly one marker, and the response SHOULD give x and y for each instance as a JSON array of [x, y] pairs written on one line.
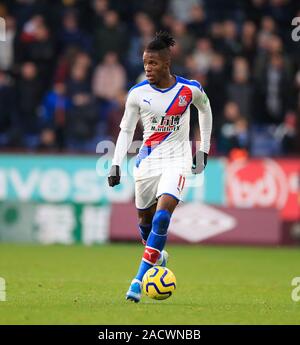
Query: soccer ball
[[159, 282]]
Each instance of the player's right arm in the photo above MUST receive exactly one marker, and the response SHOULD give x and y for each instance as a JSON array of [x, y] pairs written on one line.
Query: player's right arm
[[128, 125], [201, 101]]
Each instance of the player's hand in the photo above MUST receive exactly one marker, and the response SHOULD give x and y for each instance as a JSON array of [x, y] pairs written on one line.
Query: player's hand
[[199, 162], [114, 176]]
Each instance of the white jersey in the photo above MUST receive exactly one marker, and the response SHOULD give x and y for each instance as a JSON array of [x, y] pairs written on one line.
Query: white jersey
[[165, 115]]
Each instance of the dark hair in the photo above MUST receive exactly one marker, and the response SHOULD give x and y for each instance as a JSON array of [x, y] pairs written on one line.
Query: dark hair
[[162, 40]]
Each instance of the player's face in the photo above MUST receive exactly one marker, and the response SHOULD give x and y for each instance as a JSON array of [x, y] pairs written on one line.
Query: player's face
[[156, 66]]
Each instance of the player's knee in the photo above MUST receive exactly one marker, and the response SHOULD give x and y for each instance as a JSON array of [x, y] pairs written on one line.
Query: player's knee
[[161, 221]]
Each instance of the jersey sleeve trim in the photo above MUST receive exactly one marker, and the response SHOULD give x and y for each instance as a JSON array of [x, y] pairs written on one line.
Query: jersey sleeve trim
[[190, 82], [145, 82]]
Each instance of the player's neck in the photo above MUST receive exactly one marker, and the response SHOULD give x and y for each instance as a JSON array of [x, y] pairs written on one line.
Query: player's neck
[[166, 82]]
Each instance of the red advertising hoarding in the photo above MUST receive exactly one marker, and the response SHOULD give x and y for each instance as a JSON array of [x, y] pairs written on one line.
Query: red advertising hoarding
[[265, 183], [198, 223]]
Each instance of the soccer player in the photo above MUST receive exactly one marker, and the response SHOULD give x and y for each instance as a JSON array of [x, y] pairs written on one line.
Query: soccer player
[[162, 102]]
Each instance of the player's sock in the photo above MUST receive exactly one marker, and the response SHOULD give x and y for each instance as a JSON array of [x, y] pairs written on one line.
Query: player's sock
[[155, 243], [158, 235], [145, 231]]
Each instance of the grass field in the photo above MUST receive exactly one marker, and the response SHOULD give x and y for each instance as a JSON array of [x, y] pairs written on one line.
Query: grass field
[[87, 285]]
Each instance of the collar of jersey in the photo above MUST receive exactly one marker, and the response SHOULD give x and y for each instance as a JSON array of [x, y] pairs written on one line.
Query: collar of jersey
[[165, 90]]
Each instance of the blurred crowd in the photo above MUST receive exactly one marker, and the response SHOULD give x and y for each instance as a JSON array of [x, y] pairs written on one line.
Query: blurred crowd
[[66, 67]]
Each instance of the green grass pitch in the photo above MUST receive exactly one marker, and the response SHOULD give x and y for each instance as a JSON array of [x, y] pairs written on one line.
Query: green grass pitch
[[87, 285]]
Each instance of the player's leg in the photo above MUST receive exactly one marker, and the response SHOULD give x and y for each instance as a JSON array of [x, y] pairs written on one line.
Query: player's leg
[[168, 194], [145, 201], [154, 249], [155, 243], [145, 217], [167, 202]]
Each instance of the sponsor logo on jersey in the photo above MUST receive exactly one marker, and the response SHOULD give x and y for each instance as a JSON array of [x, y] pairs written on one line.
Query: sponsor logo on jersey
[[147, 101]]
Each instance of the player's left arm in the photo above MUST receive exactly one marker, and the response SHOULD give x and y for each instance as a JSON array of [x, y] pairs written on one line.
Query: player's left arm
[[201, 101], [128, 125]]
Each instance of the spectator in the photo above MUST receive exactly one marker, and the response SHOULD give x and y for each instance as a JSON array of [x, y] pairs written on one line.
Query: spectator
[[48, 141], [182, 37], [64, 63], [240, 89], [268, 26], [109, 78], [274, 90], [255, 10], [84, 61], [184, 45], [53, 117], [144, 32], [28, 33], [192, 71], [282, 12], [197, 25], [231, 45], [286, 133], [82, 117], [234, 130], [98, 11], [215, 86], [181, 10], [111, 37], [37, 46], [268, 42], [79, 82], [7, 110], [203, 55], [155, 9], [248, 41], [71, 34], [29, 94], [216, 36]]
